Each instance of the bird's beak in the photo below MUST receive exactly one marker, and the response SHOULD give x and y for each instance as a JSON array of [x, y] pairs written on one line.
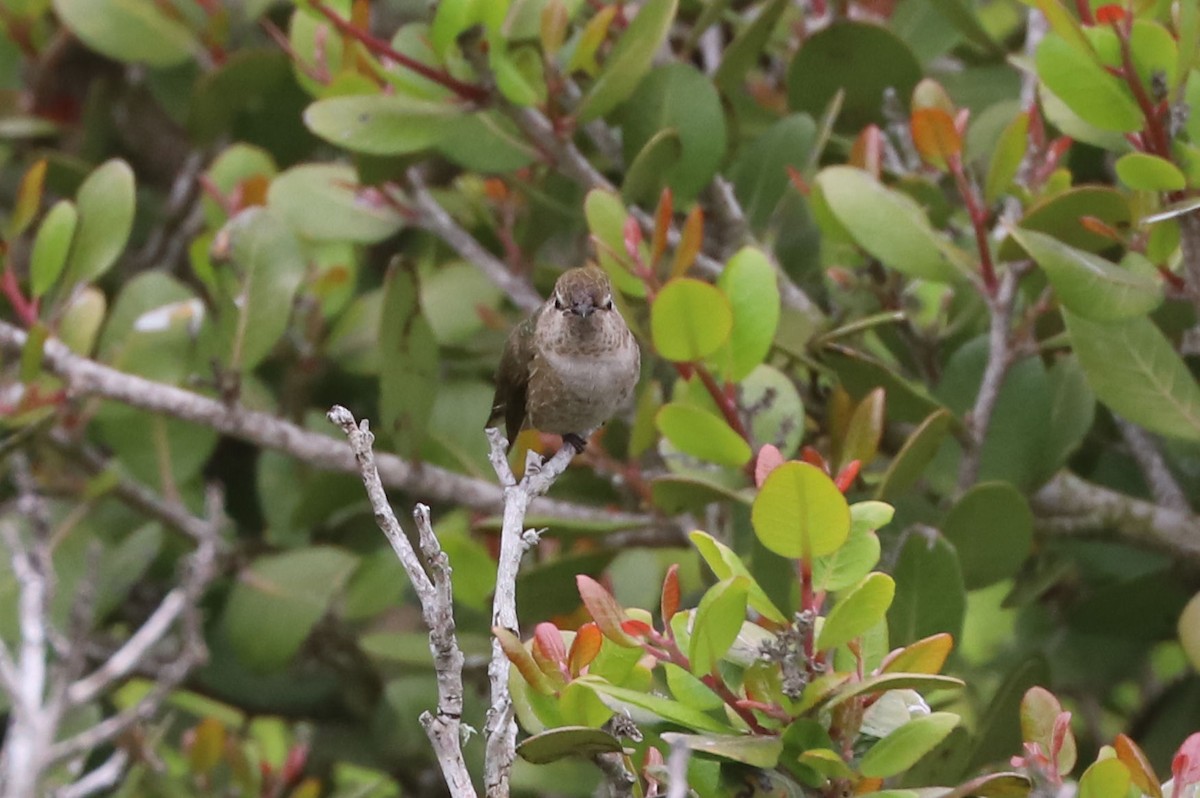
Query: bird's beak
[[583, 309]]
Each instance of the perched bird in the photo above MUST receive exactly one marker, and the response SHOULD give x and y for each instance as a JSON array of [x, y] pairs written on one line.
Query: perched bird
[[571, 365]]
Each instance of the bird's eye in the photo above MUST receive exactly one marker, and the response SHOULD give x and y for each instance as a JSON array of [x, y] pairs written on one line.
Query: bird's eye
[[608, 305], [558, 305]]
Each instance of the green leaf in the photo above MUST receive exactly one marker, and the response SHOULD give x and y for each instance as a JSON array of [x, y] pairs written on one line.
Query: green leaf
[[887, 224], [629, 61], [779, 411], [747, 47], [1040, 710], [991, 528], [863, 606], [1189, 630], [606, 217], [131, 31], [567, 741], [901, 749], [859, 59], [725, 563], [689, 320], [678, 97], [1107, 778], [1135, 371], [853, 561], [918, 451], [409, 366], [646, 175], [270, 268], [759, 752], [1059, 216], [701, 434], [325, 202], [659, 709], [799, 512], [105, 203], [381, 124], [51, 247], [81, 319], [1146, 172], [1006, 158], [930, 597], [750, 284], [1088, 284], [1081, 82], [277, 600], [486, 141], [1072, 410], [759, 169], [717, 622]]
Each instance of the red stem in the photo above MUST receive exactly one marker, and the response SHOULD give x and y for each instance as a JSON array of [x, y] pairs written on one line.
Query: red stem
[[1156, 136], [467, 91], [978, 214], [26, 310]]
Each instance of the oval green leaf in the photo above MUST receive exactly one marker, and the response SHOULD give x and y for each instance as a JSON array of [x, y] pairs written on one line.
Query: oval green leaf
[[1107, 778], [1135, 371], [800, 512], [718, 619], [51, 247], [381, 124], [750, 284], [901, 749], [699, 433], [689, 320], [131, 31], [991, 527], [858, 610], [724, 563], [105, 203], [887, 224], [1088, 284], [324, 201], [1079, 80], [567, 741], [1146, 172]]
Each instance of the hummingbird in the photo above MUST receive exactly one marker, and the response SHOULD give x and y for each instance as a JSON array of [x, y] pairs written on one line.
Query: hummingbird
[[571, 365]]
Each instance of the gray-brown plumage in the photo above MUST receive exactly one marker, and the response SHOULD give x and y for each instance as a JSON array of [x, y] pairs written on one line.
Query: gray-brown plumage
[[571, 365]]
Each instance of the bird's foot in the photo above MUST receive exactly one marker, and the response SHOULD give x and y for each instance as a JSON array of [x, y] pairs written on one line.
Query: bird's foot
[[575, 441]]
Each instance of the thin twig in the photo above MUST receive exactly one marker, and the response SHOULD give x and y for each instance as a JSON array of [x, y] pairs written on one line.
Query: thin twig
[[84, 377], [1000, 358], [1163, 486], [501, 729], [98, 779], [434, 218], [677, 764], [435, 594]]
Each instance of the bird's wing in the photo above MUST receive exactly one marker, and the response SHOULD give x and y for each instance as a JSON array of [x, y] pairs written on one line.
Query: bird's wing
[[512, 379]]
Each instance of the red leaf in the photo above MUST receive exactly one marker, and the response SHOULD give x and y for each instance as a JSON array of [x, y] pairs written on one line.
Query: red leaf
[[547, 641], [636, 628], [633, 238], [1106, 15], [605, 611], [850, 473], [935, 136], [769, 458], [1140, 769], [867, 150], [670, 596], [1099, 227], [811, 456], [584, 648]]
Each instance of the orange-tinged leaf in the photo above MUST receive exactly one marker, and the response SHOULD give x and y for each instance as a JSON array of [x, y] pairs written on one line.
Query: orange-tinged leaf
[[927, 655], [662, 225], [689, 242], [207, 745], [1099, 227], [553, 28], [584, 648], [1108, 14], [522, 660], [935, 136], [670, 596], [253, 191], [605, 611], [29, 198], [548, 648]]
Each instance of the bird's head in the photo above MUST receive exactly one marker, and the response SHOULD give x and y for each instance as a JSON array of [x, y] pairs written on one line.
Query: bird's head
[[582, 291]]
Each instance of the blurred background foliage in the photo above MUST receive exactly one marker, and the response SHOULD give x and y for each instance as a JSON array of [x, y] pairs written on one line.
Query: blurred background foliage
[[266, 203]]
